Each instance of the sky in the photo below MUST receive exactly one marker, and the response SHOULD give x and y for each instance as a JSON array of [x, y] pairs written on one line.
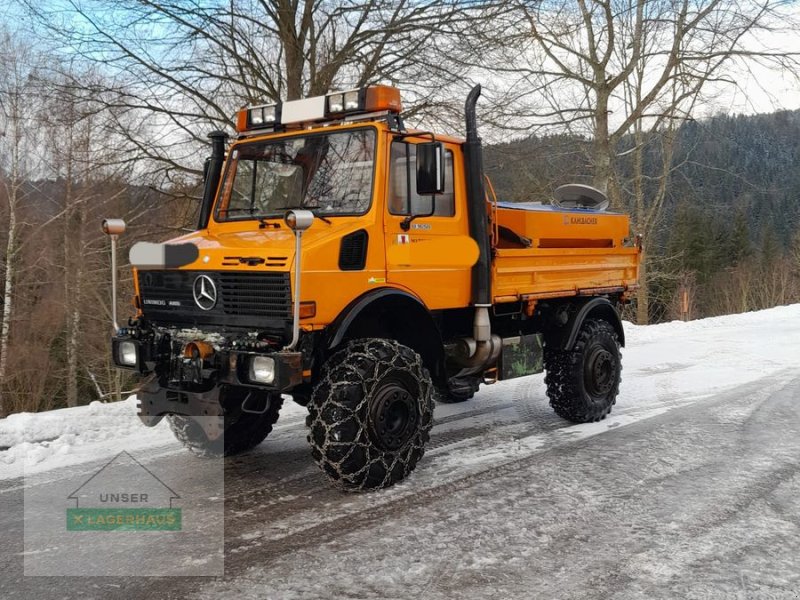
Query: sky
[[763, 89], [758, 89]]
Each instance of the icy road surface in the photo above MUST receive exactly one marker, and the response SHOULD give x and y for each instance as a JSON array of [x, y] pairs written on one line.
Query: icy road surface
[[690, 489]]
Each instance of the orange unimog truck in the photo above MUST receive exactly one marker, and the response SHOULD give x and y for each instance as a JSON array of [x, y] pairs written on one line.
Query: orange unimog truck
[[362, 269]]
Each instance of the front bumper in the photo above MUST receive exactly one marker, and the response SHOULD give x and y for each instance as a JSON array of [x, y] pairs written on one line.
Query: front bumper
[[192, 385], [160, 355]]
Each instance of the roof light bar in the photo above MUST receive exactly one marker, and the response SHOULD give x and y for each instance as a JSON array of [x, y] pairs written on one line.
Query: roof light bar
[[335, 105]]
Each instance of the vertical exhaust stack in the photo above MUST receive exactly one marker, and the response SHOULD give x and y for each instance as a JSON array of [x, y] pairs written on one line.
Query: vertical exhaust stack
[[213, 172], [476, 200], [484, 348]]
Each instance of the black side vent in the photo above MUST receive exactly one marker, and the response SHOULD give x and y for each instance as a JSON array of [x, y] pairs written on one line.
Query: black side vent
[[353, 252]]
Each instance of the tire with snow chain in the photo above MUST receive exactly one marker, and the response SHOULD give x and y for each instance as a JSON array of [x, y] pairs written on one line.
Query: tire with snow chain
[[459, 389], [370, 414], [583, 383], [243, 432]]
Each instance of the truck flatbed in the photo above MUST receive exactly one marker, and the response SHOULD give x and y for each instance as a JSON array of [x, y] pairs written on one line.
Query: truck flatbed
[[543, 252]]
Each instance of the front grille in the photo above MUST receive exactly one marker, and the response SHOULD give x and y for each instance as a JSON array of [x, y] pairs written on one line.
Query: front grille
[[263, 294], [255, 299]]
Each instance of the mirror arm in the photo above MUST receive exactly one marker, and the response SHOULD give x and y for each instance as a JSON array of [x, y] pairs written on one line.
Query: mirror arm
[[405, 224]]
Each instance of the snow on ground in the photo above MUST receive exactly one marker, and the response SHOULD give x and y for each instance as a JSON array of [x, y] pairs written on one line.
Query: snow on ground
[[709, 355], [33, 443], [664, 365], [58, 438]]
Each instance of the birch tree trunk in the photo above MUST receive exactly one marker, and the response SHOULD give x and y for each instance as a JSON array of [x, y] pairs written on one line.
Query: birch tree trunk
[[72, 278], [14, 126], [643, 295], [8, 297]]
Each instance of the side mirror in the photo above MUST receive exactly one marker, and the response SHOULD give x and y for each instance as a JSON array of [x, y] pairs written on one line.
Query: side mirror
[[113, 226], [430, 168]]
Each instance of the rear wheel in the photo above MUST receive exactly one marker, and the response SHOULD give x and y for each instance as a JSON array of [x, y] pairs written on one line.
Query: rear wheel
[[243, 430], [583, 383], [370, 414]]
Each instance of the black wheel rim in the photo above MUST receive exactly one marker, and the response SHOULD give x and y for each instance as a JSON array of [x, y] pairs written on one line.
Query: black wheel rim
[[600, 371], [393, 416]]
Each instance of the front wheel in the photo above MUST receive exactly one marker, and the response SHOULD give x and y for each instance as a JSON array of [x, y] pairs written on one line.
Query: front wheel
[[370, 415], [583, 383], [243, 430]]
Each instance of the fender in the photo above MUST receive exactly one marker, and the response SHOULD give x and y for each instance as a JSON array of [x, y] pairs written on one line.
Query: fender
[[417, 330], [594, 308]]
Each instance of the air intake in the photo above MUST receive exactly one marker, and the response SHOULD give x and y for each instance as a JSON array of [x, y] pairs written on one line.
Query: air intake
[[353, 251]]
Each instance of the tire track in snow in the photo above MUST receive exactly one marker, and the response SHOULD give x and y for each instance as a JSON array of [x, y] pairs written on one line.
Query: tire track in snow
[[488, 453]]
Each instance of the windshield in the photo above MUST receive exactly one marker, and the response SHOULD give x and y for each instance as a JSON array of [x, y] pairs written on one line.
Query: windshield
[[330, 173]]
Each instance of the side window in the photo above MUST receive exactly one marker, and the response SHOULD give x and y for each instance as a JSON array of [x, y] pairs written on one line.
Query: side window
[[403, 197]]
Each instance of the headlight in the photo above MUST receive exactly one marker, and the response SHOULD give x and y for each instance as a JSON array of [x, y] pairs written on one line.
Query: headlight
[[261, 116], [262, 369], [342, 102], [126, 353]]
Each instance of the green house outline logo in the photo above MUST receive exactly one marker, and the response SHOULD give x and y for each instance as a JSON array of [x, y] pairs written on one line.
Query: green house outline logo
[[167, 518]]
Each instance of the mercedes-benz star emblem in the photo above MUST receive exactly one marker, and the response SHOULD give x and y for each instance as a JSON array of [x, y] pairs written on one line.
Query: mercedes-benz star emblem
[[204, 292]]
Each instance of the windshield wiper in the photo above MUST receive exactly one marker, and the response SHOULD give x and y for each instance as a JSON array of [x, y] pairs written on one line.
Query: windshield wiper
[[262, 219], [263, 223]]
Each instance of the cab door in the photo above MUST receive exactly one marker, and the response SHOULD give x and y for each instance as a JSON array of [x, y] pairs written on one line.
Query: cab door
[[428, 247]]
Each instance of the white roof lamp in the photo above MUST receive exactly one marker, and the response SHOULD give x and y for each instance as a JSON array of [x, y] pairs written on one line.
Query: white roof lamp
[[335, 105], [576, 195]]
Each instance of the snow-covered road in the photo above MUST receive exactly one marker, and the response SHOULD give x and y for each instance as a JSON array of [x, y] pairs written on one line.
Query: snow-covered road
[[690, 489]]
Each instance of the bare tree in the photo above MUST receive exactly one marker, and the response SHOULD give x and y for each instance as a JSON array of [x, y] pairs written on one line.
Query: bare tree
[[71, 120], [58, 177], [180, 68], [18, 104], [627, 73]]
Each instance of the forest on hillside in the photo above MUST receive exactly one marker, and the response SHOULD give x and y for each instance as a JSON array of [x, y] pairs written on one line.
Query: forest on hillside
[[729, 232]]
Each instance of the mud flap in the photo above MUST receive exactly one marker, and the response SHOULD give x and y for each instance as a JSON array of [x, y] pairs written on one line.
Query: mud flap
[[155, 402], [520, 356]]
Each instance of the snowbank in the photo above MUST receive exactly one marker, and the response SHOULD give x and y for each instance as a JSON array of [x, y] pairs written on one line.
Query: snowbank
[[57, 438]]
